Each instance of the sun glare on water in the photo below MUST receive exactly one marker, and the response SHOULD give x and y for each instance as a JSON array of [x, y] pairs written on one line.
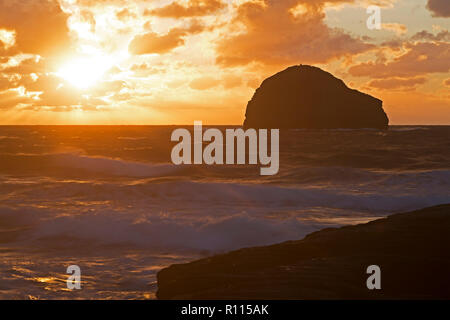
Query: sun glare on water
[[86, 72]]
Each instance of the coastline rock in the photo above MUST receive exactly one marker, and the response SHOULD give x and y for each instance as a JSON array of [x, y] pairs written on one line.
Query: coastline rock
[[308, 97], [412, 250]]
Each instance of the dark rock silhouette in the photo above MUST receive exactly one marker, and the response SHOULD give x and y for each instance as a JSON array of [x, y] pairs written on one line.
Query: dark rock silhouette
[[412, 249], [308, 97]]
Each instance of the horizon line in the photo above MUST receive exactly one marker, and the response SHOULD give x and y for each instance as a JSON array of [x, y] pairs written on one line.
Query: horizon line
[[192, 124]]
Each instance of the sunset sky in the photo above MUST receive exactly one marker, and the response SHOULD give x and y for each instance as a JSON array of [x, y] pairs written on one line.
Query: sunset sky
[[173, 62]]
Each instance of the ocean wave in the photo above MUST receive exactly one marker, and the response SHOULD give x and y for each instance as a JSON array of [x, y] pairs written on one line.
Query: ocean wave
[[113, 166], [171, 232], [45, 163], [179, 225], [366, 177], [197, 215], [38, 227], [162, 185]]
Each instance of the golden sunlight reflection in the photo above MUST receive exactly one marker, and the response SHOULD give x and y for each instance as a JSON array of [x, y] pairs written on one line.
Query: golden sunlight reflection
[[45, 279]]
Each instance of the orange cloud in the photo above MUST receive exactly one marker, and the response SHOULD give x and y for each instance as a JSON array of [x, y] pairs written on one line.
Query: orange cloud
[[421, 58], [99, 3], [125, 14], [10, 98], [395, 27], [40, 26], [231, 81], [192, 9], [88, 17], [397, 83], [204, 83], [152, 42], [274, 35], [27, 66], [144, 69], [425, 35], [29, 84]]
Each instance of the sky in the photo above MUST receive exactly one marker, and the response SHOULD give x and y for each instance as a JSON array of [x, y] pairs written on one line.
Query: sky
[[174, 62]]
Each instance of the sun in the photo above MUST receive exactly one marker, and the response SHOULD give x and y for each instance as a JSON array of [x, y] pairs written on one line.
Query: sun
[[85, 72]]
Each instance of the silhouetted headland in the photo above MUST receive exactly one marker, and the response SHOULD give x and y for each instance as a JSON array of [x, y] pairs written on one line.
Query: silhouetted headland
[[308, 97], [412, 250]]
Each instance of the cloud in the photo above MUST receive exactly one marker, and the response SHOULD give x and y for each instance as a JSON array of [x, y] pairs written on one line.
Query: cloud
[[395, 27], [420, 58], [144, 69], [29, 85], [125, 14], [10, 98], [152, 42], [397, 83], [26, 66], [68, 96], [425, 35], [275, 35], [231, 81], [439, 8], [88, 17], [193, 8], [204, 83], [40, 25], [100, 3], [7, 38]]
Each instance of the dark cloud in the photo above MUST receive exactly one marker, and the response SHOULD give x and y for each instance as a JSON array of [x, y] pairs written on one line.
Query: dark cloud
[[439, 8], [425, 35]]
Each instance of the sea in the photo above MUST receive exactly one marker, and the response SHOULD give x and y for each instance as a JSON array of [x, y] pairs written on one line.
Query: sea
[[109, 200]]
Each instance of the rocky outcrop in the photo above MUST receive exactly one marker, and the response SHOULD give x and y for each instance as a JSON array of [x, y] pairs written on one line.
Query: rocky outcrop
[[412, 250], [308, 97]]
